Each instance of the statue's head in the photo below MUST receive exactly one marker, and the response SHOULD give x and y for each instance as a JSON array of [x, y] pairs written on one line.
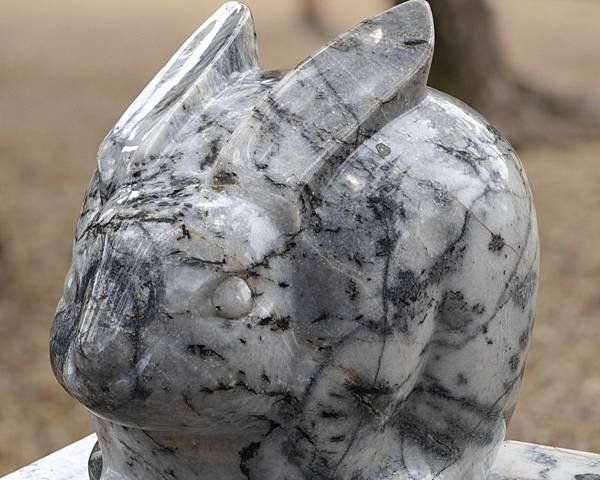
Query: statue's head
[[206, 275], [244, 252]]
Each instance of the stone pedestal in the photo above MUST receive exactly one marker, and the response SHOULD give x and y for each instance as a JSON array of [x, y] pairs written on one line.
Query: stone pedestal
[[516, 461]]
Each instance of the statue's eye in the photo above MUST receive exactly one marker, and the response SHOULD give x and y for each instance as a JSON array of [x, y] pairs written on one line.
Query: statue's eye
[[232, 298]]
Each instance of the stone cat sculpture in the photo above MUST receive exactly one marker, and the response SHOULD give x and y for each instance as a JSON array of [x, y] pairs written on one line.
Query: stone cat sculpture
[[326, 274]]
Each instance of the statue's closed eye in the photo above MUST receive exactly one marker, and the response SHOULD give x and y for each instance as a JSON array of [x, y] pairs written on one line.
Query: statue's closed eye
[[232, 298]]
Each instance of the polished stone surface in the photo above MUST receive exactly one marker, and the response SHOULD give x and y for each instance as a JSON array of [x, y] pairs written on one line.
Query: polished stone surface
[[327, 274], [525, 461], [515, 461]]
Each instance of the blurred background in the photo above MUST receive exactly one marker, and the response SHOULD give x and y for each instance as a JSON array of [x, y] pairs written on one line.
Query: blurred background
[[68, 69]]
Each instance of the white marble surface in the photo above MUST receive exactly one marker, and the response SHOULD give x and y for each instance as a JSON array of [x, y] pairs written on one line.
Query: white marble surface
[[69, 463], [516, 461], [525, 461]]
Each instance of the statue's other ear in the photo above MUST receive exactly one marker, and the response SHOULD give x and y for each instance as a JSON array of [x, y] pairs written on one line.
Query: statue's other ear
[[323, 109], [224, 44]]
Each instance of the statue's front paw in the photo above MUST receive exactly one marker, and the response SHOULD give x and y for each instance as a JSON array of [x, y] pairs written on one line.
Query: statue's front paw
[[95, 463]]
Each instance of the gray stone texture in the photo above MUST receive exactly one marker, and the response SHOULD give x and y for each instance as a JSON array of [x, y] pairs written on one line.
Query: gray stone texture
[[323, 274]]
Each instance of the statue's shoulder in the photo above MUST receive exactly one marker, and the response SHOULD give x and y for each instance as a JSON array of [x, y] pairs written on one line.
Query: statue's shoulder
[[434, 176], [456, 148]]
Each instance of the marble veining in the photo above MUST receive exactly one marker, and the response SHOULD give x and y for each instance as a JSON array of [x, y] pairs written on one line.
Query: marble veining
[[328, 273], [525, 461], [515, 461]]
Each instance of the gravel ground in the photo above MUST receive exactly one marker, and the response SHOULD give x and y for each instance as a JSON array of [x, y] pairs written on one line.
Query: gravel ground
[[67, 71]]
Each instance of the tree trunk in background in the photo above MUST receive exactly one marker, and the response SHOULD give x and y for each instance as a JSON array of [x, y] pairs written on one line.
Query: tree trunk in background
[[469, 64], [3, 267]]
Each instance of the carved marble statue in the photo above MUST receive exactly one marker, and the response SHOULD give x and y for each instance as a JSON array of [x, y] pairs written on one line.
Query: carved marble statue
[[323, 274]]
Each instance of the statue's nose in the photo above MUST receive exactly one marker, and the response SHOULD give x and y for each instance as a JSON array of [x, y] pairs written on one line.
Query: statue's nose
[[119, 303]]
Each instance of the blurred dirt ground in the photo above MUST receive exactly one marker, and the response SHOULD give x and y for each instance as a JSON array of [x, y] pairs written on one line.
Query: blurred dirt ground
[[69, 68]]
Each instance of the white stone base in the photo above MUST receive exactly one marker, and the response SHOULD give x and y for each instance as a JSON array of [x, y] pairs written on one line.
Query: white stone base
[[70, 463], [516, 461]]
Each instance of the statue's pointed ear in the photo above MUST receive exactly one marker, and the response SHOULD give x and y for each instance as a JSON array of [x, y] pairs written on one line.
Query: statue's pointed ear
[[322, 110], [224, 44]]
